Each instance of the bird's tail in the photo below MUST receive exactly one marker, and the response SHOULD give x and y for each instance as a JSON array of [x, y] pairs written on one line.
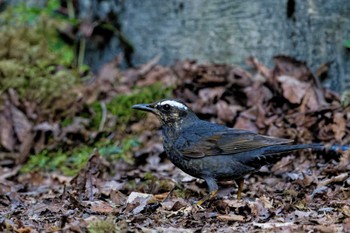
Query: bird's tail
[[271, 154], [315, 146]]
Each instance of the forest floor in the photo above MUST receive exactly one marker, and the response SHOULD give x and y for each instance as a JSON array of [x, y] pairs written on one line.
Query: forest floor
[[51, 183]]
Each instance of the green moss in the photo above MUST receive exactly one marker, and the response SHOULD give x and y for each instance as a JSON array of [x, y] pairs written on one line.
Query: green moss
[[36, 63], [131, 185], [66, 121], [149, 176], [30, 15], [97, 115], [69, 163], [33, 59], [345, 98], [121, 151], [107, 225], [120, 106]]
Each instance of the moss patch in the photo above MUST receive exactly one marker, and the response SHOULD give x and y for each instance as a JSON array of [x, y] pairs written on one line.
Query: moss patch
[[70, 162], [120, 105], [34, 61]]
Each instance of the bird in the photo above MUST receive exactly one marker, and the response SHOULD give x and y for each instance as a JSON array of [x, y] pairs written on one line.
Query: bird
[[215, 152]]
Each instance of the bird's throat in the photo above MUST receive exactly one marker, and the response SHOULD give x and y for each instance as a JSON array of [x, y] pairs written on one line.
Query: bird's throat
[[172, 130]]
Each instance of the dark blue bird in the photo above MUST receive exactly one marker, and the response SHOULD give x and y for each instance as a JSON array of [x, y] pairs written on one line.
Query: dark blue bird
[[215, 152]]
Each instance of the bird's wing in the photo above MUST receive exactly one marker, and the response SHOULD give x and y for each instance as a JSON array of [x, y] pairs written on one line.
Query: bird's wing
[[230, 141]]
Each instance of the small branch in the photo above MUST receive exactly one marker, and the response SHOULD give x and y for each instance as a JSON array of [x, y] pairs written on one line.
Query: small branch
[[81, 54], [70, 8], [103, 117]]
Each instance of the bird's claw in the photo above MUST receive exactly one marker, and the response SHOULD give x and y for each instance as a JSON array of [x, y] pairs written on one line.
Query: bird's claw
[[208, 197]]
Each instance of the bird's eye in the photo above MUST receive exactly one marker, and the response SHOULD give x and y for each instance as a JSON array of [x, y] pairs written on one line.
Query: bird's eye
[[166, 107]]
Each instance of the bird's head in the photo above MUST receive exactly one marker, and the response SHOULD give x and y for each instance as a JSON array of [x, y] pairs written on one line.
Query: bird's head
[[169, 111]]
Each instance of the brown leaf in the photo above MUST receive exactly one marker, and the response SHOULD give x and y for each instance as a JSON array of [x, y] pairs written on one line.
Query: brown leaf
[[245, 123], [110, 186], [21, 124], [100, 207], [339, 126], [293, 89], [85, 181], [174, 204], [323, 69], [8, 174], [227, 112], [208, 95], [257, 94], [246, 120], [48, 127], [326, 132], [231, 217], [7, 134], [283, 165], [346, 224], [144, 69], [25, 148], [272, 225], [78, 126], [339, 178], [346, 210], [307, 180], [86, 27], [136, 202], [234, 203], [288, 66], [117, 197], [107, 75], [239, 77], [344, 163], [310, 101], [24, 230], [133, 75], [265, 71], [13, 96]]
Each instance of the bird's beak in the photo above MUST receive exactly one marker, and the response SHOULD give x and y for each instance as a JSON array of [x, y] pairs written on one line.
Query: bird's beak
[[144, 107]]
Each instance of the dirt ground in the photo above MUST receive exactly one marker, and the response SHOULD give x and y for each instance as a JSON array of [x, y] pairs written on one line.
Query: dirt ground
[[306, 191]]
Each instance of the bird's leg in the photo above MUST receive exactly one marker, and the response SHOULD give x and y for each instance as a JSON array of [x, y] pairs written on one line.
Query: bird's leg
[[213, 189], [240, 183]]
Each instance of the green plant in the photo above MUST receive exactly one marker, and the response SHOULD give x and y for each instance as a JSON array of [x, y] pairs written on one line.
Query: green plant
[[347, 44], [120, 151], [120, 105], [50, 161], [103, 225], [70, 162], [34, 61]]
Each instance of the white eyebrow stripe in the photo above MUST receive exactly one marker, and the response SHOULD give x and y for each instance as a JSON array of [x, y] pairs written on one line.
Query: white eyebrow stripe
[[174, 104]]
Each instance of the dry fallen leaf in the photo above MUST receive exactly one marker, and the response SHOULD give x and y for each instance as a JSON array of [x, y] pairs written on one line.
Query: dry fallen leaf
[[339, 178], [271, 225], [7, 134], [293, 89], [100, 207], [227, 112], [21, 124], [231, 217], [136, 201], [279, 197], [339, 126], [291, 67]]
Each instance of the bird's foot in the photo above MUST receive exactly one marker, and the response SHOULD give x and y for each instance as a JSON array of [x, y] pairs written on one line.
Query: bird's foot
[[208, 197], [240, 183]]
